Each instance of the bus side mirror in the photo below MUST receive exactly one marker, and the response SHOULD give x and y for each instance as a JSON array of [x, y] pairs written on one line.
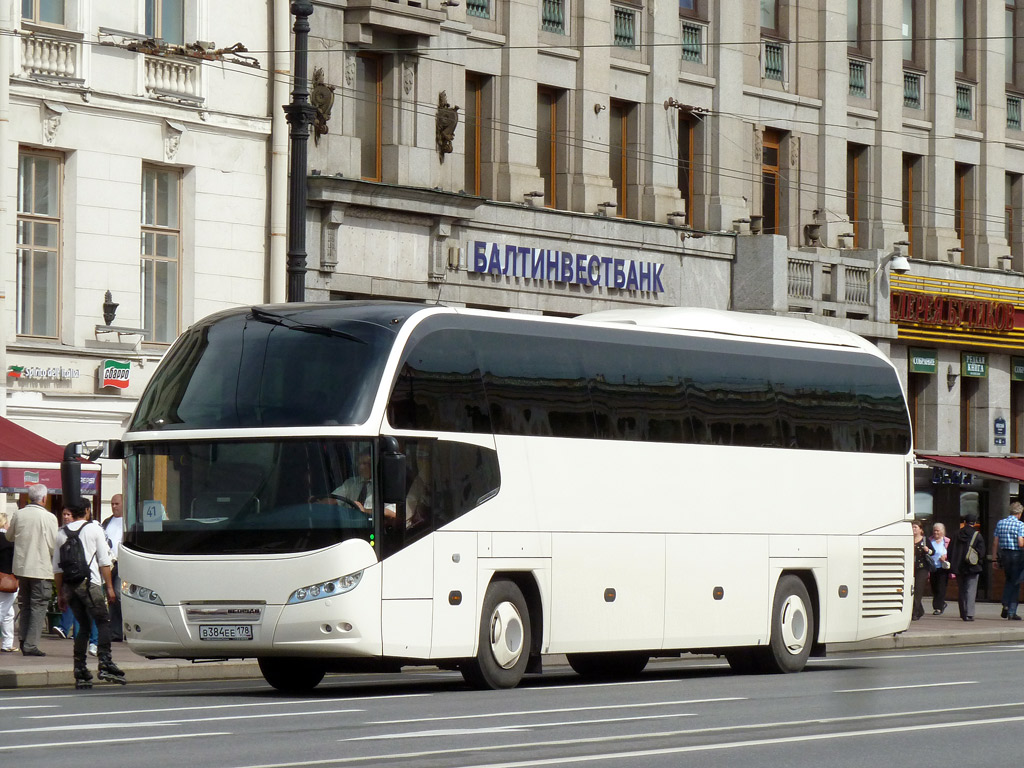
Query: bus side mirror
[[71, 476], [392, 471]]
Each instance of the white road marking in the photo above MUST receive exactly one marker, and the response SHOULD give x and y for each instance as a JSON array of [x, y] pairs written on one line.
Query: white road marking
[[107, 742], [907, 687], [517, 727], [523, 712], [644, 753]]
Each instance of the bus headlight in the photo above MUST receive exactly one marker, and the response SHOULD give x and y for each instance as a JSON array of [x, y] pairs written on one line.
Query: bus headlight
[[324, 589], [142, 594]]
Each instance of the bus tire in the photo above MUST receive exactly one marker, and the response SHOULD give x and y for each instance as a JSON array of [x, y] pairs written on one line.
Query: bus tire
[[292, 675], [792, 627], [504, 642], [620, 664]]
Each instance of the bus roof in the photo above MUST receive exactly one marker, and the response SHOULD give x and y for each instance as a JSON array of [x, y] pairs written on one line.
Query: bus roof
[[727, 323]]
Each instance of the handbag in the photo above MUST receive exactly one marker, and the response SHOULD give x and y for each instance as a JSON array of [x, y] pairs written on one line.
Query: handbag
[[8, 582], [971, 556]]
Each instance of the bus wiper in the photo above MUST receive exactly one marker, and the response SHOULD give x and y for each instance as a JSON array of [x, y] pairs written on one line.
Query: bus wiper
[[262, 316]]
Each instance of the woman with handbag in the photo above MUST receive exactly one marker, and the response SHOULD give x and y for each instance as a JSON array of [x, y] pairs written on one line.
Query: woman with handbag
[[922, 568], [8, 589]]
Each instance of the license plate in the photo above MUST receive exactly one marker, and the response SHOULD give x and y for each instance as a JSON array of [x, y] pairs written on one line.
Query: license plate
[[225, 632]]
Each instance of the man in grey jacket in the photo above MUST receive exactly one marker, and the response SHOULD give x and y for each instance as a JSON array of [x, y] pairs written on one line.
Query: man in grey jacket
[[33, 529]]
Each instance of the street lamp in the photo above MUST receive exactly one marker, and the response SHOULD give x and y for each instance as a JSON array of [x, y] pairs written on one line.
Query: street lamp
[[300, 114]]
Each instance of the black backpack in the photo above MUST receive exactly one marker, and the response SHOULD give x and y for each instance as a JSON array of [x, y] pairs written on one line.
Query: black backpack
[[72, 557]]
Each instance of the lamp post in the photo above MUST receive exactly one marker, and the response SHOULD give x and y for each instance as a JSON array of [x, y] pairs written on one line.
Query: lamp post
[[300, 114]]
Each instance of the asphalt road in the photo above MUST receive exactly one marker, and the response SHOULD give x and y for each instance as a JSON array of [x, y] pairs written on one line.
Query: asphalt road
[[910, 708]]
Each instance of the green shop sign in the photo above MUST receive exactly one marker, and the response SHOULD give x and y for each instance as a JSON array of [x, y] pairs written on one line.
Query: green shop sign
[[974, 365], [927, 360], [1017, 368]]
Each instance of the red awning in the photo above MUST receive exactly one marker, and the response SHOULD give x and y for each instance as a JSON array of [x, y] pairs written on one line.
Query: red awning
[[1002, 468], [20, 444]]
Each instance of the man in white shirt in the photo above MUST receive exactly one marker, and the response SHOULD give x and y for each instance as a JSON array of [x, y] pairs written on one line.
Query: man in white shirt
[[114, 527], [88, 598]]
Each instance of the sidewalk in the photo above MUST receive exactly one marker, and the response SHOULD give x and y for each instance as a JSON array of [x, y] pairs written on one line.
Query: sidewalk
[[17, 671]]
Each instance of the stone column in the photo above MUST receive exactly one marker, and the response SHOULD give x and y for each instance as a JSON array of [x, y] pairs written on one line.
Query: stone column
[[834, 85], [517, 104], [730, 141]]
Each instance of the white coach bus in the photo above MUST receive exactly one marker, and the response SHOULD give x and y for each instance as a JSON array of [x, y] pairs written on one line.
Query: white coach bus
[[367, 485]]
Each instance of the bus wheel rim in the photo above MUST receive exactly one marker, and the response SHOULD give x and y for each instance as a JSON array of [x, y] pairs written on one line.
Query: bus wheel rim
[[793, 623], [506, 635]]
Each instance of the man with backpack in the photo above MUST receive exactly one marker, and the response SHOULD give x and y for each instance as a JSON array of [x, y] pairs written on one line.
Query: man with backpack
[[81, 573]]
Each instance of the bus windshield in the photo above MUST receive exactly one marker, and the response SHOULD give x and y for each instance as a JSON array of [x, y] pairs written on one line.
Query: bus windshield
[[268, 368], [248, 497]]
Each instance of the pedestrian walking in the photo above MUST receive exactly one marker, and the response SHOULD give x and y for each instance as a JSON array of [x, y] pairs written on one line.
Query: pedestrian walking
[[33, 529], [8, 589], [966, 556], [922, 567], [81, 572], [1008, 548]]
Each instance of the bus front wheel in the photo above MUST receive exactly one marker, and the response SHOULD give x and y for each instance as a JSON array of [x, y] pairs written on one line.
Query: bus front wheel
[[292, 675], [504, 642], [792, 627]]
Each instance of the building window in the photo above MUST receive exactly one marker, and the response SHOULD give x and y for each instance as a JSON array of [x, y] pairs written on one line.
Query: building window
[[771, 182], [856, 163], [552, 16], [911, 197], [43, 11], [161, 249], [770, 16], [962, 199], [1013, 219], [624, 27], [551, 149], [908, 29], [478, 130], [165, 20], [622, 138], [479, 8], [39, 240], [369, 104], [686, 170]]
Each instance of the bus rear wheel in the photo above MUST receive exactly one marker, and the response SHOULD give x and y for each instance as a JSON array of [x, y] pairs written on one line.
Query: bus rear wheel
[[504, 642], [622, 664], [792, 627], [292, 675]]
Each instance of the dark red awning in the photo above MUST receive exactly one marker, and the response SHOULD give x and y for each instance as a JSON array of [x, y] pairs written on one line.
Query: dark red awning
[[20, 444], [1003, 468]]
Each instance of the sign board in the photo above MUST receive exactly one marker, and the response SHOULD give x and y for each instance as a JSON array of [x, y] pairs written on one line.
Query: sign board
[[922, 360], [974, 365], [114, 373]]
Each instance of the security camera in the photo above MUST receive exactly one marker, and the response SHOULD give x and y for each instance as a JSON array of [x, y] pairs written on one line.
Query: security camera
[[900, 265]]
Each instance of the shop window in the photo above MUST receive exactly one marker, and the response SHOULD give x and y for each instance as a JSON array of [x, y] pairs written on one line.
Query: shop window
[[917, 385], [1017, 417], [969, 388]]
